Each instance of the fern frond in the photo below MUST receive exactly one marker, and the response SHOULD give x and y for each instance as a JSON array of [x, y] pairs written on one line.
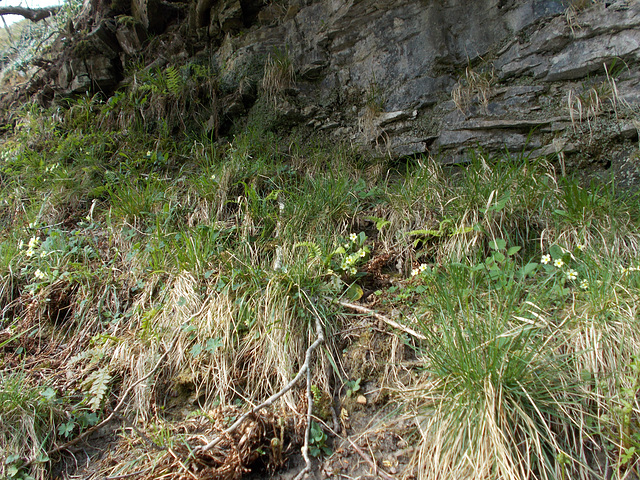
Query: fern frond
[[96, 387], [314, 250], [174, 80], [94, 355]]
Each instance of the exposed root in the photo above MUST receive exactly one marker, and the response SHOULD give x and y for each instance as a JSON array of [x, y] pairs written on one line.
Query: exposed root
[[307, 433], [273, 398]]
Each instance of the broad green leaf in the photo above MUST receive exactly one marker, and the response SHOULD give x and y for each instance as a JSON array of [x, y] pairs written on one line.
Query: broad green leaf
[[513, 250], [354, 292], [556, 252], [528, 269], [497, 244]]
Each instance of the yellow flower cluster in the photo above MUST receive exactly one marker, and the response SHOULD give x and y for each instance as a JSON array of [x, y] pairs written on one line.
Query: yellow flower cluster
[[570, 274], [421, 269], [31, 246]]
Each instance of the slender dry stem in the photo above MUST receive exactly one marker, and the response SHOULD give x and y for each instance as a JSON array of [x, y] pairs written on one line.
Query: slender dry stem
[[379, 316]]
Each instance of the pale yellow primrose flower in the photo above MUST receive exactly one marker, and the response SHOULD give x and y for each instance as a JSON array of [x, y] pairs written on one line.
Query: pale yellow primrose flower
[[572, 274], [558, 263], [546, 259], [584, 284], [415, 272], [353, 237]]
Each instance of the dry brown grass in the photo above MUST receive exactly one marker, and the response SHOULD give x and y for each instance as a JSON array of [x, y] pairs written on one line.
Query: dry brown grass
[[279, 74], [474, 87]]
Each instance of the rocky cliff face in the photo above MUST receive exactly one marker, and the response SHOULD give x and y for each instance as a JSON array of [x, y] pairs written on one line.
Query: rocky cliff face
[[400, 77]]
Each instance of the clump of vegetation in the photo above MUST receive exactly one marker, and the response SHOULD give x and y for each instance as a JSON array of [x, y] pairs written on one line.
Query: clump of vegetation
[[475, 87], [279, 74]]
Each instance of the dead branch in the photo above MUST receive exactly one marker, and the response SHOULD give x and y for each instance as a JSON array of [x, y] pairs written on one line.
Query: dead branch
[[269, 401], [307, 433], [379, 316], [33, 14]]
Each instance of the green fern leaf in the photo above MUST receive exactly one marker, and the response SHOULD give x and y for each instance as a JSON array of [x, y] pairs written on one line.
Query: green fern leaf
[[314, 249], [174, 80], [96, 387]]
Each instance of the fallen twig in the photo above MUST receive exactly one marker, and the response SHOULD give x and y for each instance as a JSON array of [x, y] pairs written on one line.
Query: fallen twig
[[379, 316], [307, 432]]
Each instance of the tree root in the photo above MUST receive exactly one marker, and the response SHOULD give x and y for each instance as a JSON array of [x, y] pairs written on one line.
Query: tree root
[[271, 400]]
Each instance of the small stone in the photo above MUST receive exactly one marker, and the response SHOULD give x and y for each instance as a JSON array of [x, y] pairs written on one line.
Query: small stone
[[362, 400]]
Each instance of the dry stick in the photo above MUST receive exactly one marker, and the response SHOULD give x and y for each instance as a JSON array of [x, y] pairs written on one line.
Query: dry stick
[[269, 401], [182, 464], [307, 433], [387, 320]]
